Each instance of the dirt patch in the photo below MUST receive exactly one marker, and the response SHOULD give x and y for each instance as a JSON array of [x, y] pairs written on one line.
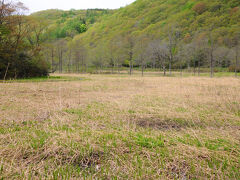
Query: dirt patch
[[160, 124], [178, 170], [61, 157], [42, 116], [91, 160]]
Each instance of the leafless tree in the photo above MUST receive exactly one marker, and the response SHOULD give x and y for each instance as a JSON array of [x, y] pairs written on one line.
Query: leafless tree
[[235, 44], [236, 58], [142, 52], [130, 43], [159, 51], [173, 38], [69, 54], [119, 54], [222, 56], [61, 48], [210, 51]]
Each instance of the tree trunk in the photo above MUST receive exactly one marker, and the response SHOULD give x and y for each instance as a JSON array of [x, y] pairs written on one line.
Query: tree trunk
[[170, 65], [181, 70], [5, 75], [194, 67], [69, 61], [236, 63], [15, 72], [52, 60], [211, 56], [68, 67], [130, 59], [85, 68], [101, 69], [211, 64], [199, 67], [78, 67], [60, 62], [118, 69], [130, 70]]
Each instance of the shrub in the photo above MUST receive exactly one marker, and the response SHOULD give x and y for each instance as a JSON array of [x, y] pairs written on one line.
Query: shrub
[[234, 10], [232, 68], [126, 63], [23, 67], [216, 7], [200, 8]]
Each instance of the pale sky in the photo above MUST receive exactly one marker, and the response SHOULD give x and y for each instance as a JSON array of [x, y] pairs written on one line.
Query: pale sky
[[37, 5]]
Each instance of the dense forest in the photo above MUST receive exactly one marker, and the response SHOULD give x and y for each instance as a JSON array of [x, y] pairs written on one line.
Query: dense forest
[[20, 43], [166, 35]]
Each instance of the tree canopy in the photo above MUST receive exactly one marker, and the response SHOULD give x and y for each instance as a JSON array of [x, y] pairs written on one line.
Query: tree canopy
[[20, 43]]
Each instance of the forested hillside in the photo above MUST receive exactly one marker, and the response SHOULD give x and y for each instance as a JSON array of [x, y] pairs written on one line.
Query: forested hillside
[[63, 24], [162, 34], [156, 17]]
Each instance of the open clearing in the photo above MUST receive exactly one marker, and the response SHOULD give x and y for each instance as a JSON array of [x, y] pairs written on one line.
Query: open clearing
[[106, 127]]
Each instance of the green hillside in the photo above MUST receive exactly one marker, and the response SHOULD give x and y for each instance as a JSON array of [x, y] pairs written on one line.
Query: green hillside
[[155, 17], [62, 24], [161, 34]]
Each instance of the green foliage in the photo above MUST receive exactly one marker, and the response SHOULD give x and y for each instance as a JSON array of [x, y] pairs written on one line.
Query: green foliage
[[82, 28], [23, 67], [39, 139], [34, 67], [126, 63], [20, 44], [97, 37], [151, 17], [69, 23], [149, 142]]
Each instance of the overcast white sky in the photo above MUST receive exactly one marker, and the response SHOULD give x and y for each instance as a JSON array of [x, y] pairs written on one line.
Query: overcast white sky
[[37, 5]]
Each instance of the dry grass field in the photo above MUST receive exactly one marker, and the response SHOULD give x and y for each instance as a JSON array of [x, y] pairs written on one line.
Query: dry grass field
[[120, 127]]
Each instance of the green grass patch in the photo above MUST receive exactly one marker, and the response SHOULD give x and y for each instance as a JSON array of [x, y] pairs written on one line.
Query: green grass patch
[[190, 140], [149, 142], [46, 79], [219, 145], [38, 139], [181, 109]]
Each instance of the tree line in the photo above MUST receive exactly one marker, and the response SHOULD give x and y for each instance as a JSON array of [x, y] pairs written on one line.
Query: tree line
[[176, 52], [21, 38], [185, 35]]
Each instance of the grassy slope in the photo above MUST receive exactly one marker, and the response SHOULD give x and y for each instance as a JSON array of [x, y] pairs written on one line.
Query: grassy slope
[[122, 127], [154, 17]]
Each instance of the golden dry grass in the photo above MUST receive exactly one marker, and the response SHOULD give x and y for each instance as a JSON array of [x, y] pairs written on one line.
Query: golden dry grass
[[121, 127]]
